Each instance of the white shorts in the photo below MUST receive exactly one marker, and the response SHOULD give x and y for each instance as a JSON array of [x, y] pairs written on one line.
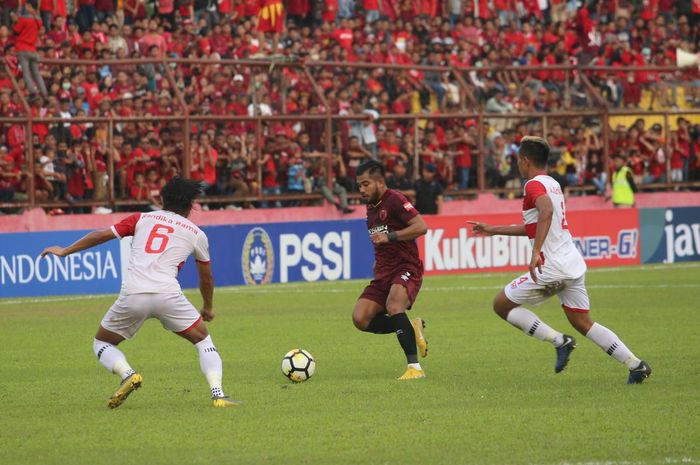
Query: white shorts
[[128, 313], [572, 293]]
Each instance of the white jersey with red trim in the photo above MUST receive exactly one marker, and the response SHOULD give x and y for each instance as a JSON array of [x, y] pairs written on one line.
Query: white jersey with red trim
[[561, 258], [162, 242]]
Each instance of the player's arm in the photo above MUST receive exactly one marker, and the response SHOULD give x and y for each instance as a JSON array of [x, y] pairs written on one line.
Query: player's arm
[[416, 228], [89, 240], [206, 288], [497, 230], [545, 210]]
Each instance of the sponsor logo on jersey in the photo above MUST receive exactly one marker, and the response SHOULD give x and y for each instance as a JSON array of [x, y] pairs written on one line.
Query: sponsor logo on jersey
[[382, 228], [257, 258], [408, 206]]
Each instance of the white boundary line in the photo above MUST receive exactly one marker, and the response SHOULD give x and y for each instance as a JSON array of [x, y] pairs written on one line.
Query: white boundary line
[[305, 289]]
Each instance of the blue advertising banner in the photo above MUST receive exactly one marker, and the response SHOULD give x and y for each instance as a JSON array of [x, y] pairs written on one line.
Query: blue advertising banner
[[670, 235], [24, 273], [241, 254], [286, 252]]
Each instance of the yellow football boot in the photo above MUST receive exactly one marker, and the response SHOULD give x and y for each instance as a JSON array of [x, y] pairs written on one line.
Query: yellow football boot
[[128, 386], [223, 402], [421, 342], [412, 373]]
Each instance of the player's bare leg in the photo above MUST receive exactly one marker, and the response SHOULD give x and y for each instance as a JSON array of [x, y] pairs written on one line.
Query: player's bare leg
[[209, 362], [371, 317], [105, 348], [532, 325], [611, 344]]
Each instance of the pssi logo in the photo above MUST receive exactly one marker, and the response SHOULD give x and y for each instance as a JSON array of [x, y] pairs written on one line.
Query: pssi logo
[[682, 240], [315, 257], [258, 257]]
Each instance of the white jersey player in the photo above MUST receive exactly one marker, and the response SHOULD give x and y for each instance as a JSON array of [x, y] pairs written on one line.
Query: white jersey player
[[162, 241], [556, 268]]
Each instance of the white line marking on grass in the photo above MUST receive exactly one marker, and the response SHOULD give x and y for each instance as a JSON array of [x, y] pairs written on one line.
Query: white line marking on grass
[[352, 285], [667, 460], [305, 289], [660, 266], [42, 300], [302, 289]]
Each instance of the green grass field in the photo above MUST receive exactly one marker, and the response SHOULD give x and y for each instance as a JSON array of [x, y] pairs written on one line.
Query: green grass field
[[491, 396]]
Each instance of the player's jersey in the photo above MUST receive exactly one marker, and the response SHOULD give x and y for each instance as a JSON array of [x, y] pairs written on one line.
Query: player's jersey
[[162, 242], [561, 258], [392, 213]]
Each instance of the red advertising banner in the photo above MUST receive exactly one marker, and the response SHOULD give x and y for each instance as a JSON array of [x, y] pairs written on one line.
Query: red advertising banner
[[604, 237]]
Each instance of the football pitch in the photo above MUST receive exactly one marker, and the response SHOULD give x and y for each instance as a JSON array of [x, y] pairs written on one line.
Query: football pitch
[[491, 395]]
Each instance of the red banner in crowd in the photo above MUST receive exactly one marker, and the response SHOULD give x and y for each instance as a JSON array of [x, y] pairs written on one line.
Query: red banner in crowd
[[604, 237]]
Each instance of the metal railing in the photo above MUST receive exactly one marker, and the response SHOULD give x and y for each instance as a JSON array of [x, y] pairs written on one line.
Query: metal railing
[[469, 108]]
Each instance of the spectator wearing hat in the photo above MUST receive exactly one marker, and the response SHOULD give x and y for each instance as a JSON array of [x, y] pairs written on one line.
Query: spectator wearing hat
[[26, 29], [428, 192]]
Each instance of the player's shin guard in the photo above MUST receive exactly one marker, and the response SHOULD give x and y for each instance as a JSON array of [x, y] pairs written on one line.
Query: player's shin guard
[[112, 358], [210, 363], [381, 324], [530, 324], [406, 335], [612, 345]]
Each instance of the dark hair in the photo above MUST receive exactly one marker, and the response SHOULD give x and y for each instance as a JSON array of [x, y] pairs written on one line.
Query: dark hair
[[33, 3], [371, 167], [535, 149], [179, 193]]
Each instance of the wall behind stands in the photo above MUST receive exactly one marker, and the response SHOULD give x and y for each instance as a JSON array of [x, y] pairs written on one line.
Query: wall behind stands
[[274, 252]]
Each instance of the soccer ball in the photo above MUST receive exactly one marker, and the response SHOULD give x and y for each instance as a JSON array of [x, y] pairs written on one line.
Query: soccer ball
[[298, 365]]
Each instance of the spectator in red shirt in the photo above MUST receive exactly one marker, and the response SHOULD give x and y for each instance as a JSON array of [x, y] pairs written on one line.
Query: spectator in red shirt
[[27, 30]]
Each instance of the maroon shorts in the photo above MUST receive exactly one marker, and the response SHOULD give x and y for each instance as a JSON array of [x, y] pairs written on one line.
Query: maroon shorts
[[378, 289]]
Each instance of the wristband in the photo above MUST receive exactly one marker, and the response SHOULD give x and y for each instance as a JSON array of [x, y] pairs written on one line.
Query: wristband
[[393, 237]]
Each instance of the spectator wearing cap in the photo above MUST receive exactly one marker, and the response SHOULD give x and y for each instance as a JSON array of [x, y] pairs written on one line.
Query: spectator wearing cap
[[428, 192], [26, 29]]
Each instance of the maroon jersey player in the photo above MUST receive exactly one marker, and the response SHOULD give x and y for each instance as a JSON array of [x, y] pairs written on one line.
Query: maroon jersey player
[[393, 224]]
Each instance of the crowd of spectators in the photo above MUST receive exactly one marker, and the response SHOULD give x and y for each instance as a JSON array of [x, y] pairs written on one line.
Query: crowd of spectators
[[71, 159]]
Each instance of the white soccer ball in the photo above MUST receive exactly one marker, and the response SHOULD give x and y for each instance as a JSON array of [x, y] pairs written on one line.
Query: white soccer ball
[[298, 365]]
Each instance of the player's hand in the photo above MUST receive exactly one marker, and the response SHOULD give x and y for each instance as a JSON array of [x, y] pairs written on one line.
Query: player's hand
[[480, 228], [535, 264], [54, 250], [207, 314], [380, 238]]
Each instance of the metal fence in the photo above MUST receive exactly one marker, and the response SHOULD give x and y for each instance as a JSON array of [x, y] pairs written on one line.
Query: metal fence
[[469, 108]]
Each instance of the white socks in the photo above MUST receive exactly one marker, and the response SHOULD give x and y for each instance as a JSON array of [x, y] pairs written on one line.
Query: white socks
[[210, 362], [112, 358], [530, 324], [415, 365], [612, 345]]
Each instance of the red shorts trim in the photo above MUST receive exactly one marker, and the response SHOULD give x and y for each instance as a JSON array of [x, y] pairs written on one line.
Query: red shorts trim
[[191, 326], [577, 310]]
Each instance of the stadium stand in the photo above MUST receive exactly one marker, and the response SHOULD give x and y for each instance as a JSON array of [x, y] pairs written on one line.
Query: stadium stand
[[275, 104]]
